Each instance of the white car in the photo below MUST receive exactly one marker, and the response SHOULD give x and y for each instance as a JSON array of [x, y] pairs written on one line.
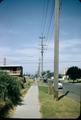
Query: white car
[[60, 85]]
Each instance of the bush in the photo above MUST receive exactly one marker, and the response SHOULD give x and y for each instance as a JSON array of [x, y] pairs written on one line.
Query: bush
[[10, 88], [14, 91]]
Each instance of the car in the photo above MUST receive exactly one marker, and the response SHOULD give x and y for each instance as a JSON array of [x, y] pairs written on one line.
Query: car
[[60, 85]]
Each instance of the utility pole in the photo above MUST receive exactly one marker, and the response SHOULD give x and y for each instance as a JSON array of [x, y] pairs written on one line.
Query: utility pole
[[39, 68], [56, 48], [4, 63], [42, 52]]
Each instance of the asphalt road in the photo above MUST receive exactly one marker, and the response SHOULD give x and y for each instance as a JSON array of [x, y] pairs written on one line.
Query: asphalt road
[[74, 90]]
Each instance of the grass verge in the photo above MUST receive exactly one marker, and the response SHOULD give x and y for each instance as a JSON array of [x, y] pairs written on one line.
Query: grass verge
[[64, 108]]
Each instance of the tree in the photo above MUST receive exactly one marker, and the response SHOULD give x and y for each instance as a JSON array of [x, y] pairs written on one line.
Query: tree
[[74, 73], [48, 74], [43, 73]]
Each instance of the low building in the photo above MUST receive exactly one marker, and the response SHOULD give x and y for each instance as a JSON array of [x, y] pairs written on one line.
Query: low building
[[13, 70]]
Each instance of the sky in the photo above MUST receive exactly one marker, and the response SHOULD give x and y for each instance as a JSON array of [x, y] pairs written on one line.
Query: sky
[[22, 22]]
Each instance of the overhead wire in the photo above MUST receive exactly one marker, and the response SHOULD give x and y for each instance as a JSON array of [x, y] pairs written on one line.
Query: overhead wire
[[42, 18], [50, 21], [45, 17]]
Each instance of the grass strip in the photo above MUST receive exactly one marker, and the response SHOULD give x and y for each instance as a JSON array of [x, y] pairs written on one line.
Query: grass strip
[[64, 108]]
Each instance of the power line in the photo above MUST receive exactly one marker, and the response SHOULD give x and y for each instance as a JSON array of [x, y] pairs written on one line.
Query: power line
[[33, 60], [42, 18], [69, 61], [51, 16], [44, 23]]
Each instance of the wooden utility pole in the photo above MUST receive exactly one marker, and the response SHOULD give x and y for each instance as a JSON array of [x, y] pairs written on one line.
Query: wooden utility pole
[[56, 48], [4, 63], [39, 69]]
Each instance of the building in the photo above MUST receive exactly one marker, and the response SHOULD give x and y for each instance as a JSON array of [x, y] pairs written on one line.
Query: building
[[13, 70]]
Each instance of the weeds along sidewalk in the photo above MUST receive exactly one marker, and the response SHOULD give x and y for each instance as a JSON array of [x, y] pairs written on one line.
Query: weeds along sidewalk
[[30, 107], [64, 108]]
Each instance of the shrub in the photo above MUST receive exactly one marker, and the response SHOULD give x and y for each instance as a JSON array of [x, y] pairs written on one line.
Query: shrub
[[10, 91]]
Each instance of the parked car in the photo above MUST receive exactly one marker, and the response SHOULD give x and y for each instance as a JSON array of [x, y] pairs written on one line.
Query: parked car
[[60, 85]]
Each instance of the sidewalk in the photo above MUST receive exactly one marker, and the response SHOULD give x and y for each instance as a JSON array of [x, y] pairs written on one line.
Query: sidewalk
[[30, 107]]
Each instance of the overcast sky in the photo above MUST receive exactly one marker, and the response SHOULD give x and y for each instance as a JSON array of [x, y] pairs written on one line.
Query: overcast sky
[[23, 21]]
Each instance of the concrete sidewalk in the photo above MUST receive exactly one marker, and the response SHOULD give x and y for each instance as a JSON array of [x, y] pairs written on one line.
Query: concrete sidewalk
[[30, 107]]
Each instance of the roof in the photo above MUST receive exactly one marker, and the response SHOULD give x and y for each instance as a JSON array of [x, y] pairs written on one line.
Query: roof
[[10, 66]]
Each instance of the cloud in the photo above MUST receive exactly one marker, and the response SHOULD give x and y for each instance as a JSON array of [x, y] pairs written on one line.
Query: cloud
[[72, 45], [69, 53], [4, 51], [28, 56]]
